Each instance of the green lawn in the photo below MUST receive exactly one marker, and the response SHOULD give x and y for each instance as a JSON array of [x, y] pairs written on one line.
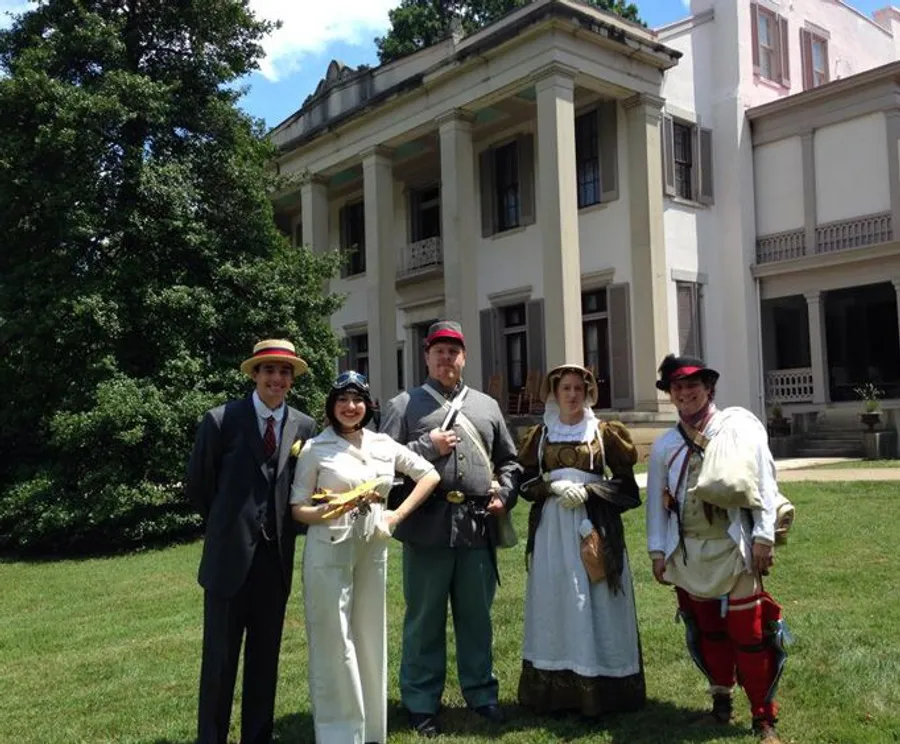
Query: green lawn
[[859, 464], [107, 650]]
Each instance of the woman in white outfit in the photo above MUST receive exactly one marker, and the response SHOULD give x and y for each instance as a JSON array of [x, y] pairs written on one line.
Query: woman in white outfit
[[344, 562], [582, 651]]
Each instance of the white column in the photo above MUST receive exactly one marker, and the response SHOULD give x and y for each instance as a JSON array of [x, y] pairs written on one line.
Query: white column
[[896, 283], [458, 236], [314, 214], [558, 213], [818, 351], [649, 304], [381, 272]]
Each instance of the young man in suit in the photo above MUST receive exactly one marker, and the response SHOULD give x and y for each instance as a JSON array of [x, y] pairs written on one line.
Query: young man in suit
[[239, 479]]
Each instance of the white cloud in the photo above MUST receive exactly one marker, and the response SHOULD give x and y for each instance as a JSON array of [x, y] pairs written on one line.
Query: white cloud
[[11, 6], [309, 26]]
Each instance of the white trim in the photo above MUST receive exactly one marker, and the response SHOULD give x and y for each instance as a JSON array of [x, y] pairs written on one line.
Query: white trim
[[688, 117], [594, 280], [355, 329], [510, 296], [816, 30], [693, 277], [685, 24]]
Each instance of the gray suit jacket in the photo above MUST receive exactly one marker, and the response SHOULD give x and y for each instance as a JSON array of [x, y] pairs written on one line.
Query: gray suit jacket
[[228, 483]]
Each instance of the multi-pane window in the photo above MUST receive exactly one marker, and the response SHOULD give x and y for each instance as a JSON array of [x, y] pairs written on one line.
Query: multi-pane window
[[359, 353], [595, 336], [771, 58], [819, 61], [515, 335], [353, 237], [683, 153], [814, 55], [767, 30], [587, 157], [506, 164], [426, 213]]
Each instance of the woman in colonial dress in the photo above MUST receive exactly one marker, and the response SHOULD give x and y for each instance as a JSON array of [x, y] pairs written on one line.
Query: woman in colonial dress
[[344, 562], [581, 650]]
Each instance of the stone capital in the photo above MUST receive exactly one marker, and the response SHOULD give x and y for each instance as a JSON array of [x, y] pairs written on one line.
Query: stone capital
[[814, 297], [651, 104], [460, 118], [896, 283], [376, 154], [555, 73]]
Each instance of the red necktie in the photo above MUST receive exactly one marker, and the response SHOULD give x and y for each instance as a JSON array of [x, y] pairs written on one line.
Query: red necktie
[[269, 443]]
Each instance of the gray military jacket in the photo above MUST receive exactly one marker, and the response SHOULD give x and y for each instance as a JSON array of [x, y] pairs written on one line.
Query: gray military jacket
[[409, 419]]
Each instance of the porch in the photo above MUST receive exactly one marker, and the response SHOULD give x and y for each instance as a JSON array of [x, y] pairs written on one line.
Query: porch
[[822, 347]]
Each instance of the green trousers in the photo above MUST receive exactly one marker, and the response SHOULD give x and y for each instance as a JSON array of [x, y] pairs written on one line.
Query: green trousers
[[431, 576]]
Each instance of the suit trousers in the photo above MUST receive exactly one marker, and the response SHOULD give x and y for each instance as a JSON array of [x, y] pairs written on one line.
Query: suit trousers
[[431, 576], [257, 609], [344, 582]]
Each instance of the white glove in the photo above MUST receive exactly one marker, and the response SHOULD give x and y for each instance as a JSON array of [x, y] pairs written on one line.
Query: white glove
[[384, 527], [570, 495]]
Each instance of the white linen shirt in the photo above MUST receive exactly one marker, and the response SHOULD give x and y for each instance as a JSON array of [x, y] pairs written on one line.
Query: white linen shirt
[[666, 458], [330, 462]]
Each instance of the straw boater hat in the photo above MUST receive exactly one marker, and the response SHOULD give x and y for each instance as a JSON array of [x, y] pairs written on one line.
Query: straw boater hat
[[591, 392], [684, 368], [274, 350]]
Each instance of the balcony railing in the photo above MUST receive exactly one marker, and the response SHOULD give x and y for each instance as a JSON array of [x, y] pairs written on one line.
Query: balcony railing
[[843, 235], [856, 233], [421, 255], [789, 385], [781, 246]]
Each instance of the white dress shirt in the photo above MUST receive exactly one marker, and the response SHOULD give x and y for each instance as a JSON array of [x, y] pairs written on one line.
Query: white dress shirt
[[262, 416]]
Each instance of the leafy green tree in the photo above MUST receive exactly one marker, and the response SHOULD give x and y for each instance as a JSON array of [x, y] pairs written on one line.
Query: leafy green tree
[[416, 24], [140, 261]]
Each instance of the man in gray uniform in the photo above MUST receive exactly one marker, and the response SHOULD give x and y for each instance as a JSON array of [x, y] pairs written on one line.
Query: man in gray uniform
[[449, 542]]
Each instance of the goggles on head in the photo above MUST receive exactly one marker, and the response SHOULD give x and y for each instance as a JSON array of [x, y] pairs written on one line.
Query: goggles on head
[[351, 378]]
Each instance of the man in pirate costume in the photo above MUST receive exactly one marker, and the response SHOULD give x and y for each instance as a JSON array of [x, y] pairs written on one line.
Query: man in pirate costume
[[716, 557], [449, 542]]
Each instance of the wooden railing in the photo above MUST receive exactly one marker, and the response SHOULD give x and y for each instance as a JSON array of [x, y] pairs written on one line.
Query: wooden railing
[[856, 233], [789, 385], [781, 246], [423, 254]]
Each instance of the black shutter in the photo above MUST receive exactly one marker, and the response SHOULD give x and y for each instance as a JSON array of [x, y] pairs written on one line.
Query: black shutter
[[525, 149], [622, 389], [488, 197], [705, 166], [534, 322], [668, 152], [608, 128]]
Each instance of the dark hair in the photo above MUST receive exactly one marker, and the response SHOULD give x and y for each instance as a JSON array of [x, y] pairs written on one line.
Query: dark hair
[[331, 401], [570, 371]]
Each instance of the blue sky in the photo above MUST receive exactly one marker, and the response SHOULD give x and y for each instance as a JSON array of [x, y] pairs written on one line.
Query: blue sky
[[316, 31]]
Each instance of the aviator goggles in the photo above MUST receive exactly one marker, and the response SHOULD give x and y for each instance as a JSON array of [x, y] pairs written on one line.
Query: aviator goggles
[[351, 378]]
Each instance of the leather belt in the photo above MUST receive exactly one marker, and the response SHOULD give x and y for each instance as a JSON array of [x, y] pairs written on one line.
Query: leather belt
[[460, 497]]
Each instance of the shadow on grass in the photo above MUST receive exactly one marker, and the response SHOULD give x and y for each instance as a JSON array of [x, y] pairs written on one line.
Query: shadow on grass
[[656, 723], [296, 727]]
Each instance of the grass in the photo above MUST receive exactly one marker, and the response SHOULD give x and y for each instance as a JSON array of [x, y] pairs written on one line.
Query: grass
[[107, 650], [858, 465]]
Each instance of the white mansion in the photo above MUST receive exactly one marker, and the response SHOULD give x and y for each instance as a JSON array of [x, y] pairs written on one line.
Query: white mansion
[[571, 186]]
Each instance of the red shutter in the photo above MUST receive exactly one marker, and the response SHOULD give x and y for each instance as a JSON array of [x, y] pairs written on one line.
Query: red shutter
[[754, 36], [806, 58], [784, 52]]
